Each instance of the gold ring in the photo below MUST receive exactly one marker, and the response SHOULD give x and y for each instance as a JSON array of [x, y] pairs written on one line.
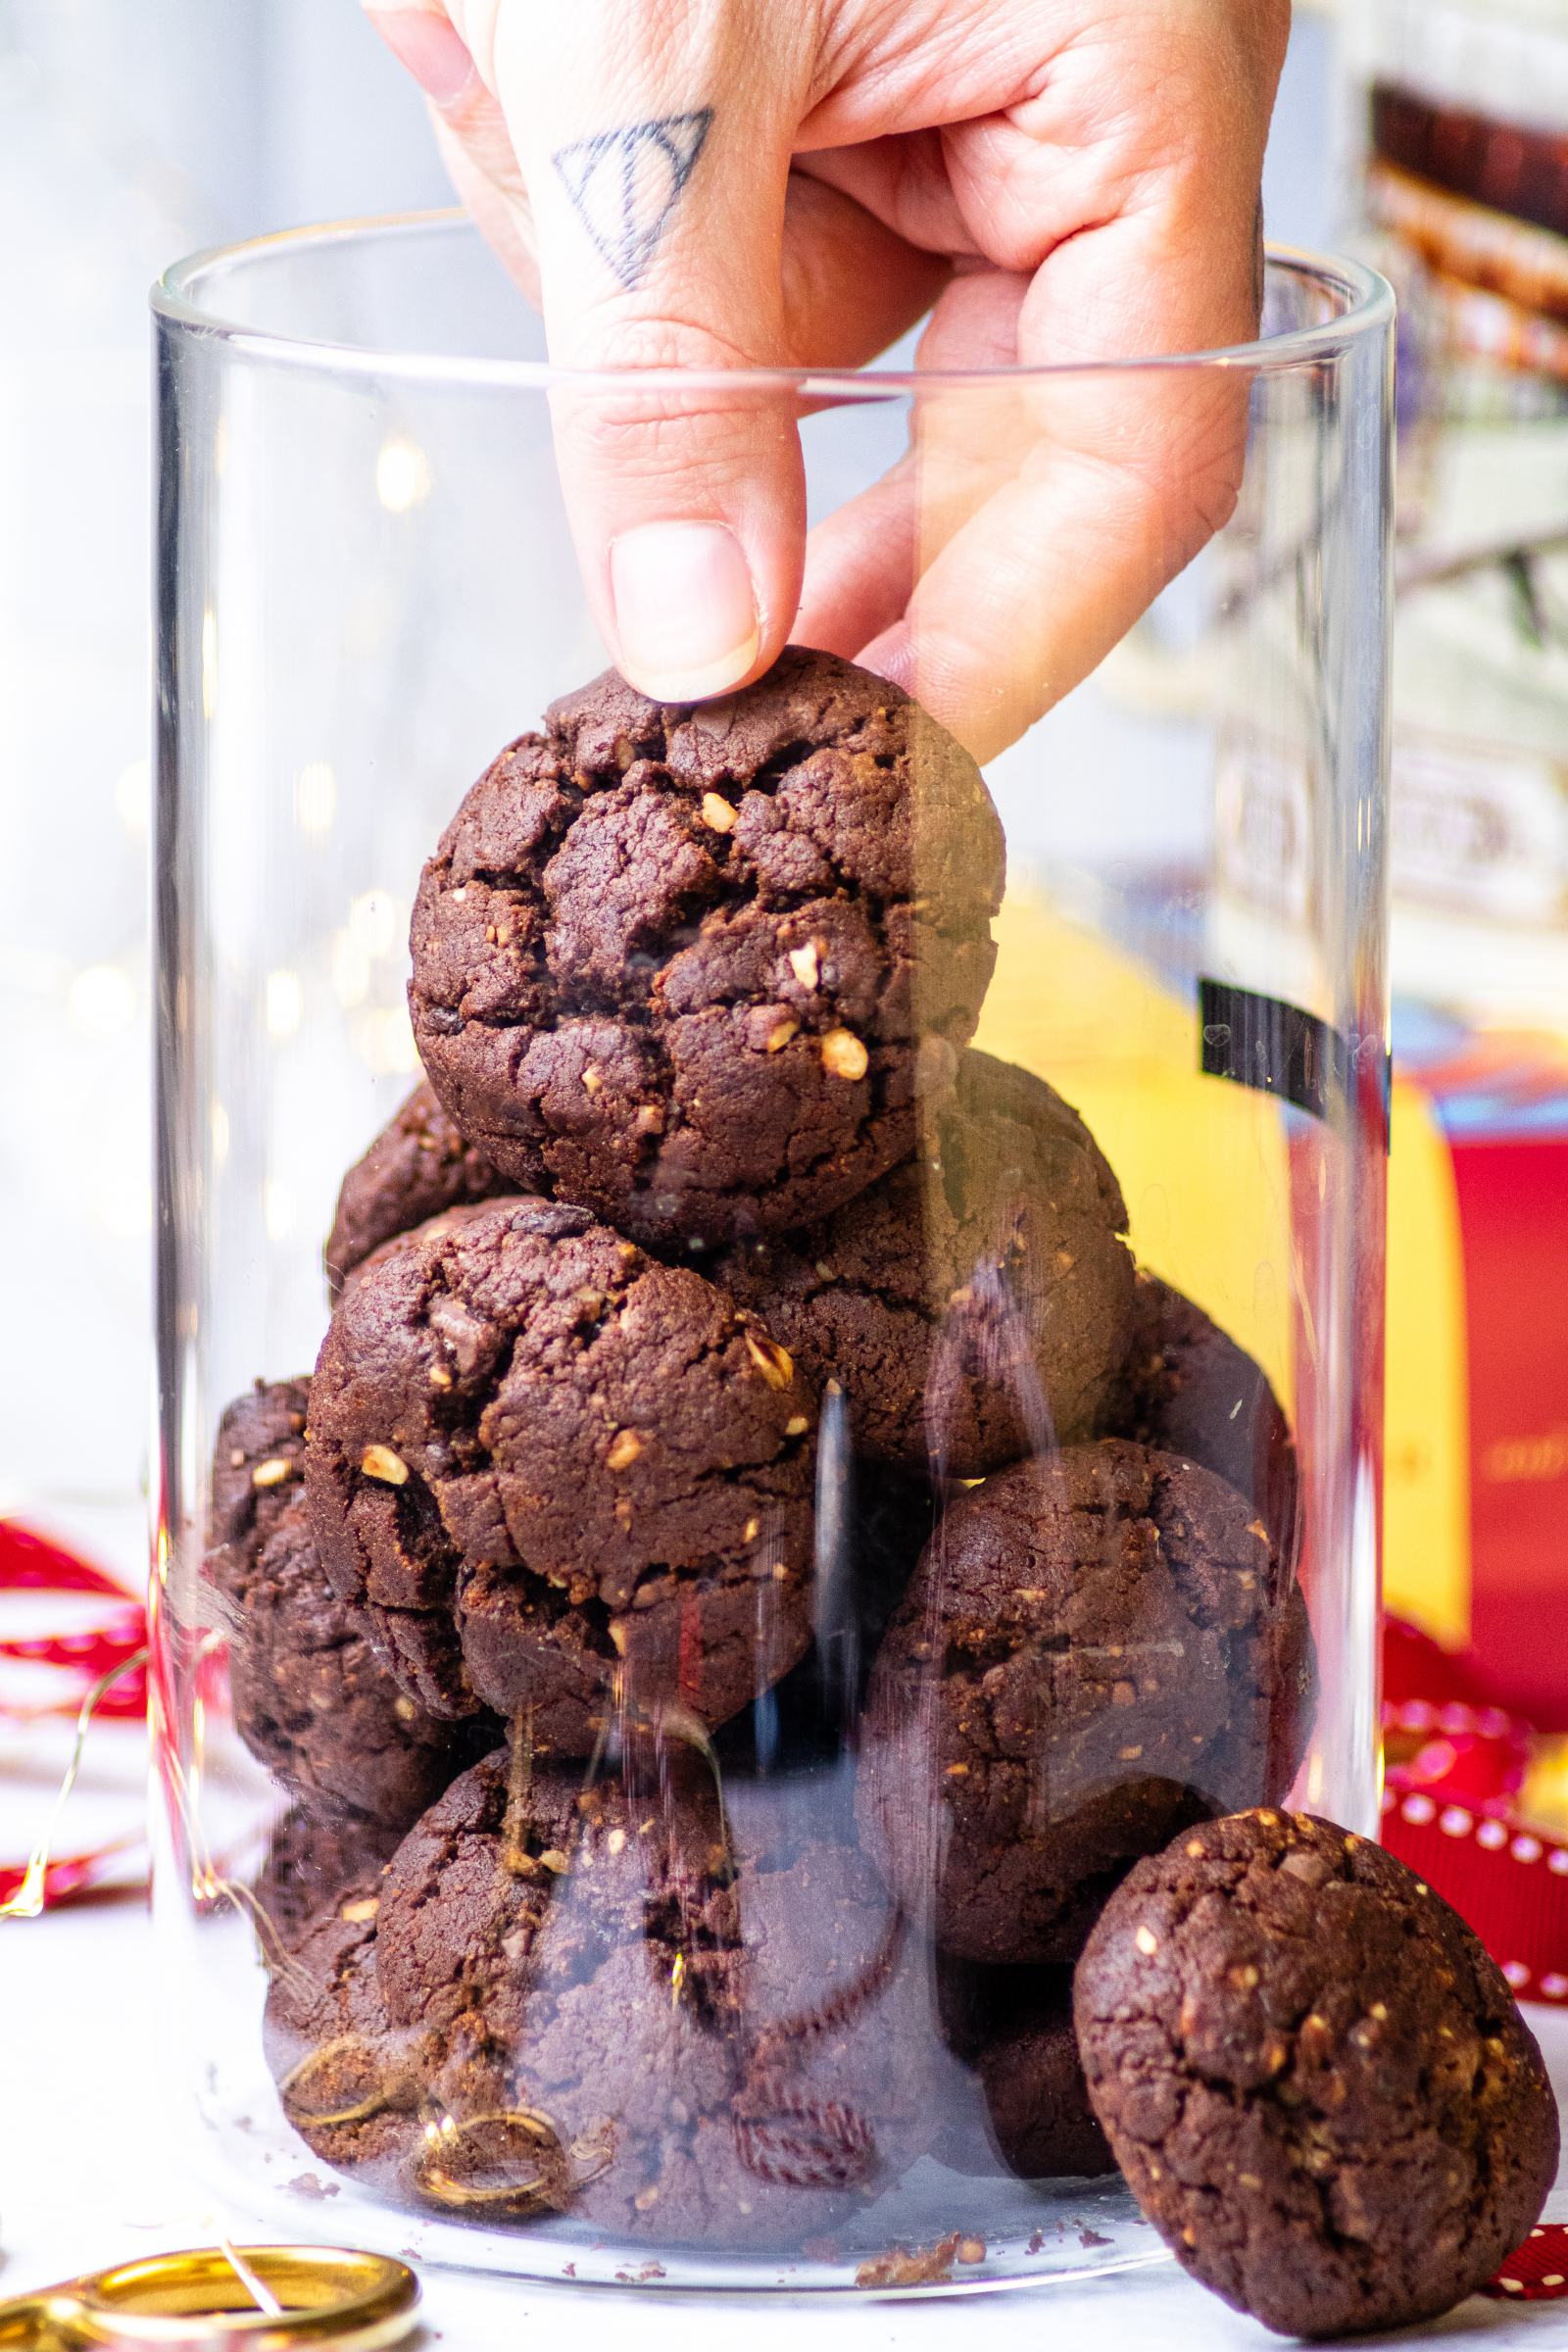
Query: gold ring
[[203, 2300]]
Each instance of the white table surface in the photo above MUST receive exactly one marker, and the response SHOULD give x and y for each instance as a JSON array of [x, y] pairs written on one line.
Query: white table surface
[[93, 2170]]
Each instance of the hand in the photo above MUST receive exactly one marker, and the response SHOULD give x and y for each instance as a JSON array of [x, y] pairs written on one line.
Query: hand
[[725, 183]]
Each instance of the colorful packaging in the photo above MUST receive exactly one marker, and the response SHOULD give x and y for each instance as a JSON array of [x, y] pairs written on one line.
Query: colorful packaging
[[1476, 1521]]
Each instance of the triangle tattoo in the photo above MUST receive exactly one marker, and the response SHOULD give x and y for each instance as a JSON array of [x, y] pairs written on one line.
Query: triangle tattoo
[[625, 184]]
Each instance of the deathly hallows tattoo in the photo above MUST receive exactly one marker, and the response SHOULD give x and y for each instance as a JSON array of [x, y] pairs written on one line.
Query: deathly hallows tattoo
[[625, 183]]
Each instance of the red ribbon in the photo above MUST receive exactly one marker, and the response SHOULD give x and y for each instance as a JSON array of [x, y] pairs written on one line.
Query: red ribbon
[[1537, 2270], [73, 1664], [1456, 1767], [30, 1563]]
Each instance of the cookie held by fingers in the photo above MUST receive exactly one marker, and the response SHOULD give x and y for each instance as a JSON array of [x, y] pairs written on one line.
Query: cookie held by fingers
[[560, 1476], [695, 966]]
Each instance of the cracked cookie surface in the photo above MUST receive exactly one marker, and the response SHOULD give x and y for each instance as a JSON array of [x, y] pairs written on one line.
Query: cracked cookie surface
[[692, 966], [312, 1697], [1096, 1648], [552, 1470], [974, 1304], [1317, 2081], [418, 1166]]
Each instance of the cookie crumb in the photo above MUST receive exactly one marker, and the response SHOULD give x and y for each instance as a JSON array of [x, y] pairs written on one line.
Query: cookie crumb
[[924, 2265]]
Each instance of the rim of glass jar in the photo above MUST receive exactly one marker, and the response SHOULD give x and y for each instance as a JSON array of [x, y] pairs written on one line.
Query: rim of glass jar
[[178, 298]]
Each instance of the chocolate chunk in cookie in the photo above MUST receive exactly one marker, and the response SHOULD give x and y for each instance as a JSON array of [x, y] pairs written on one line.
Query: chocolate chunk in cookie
[[1013, 2025], [627, 2013], [1187, 1389], [553, 1471], [311, 1698], [1315, 2079], [418, 1167], [1094, 1648], [974, 1305], [692, 966]]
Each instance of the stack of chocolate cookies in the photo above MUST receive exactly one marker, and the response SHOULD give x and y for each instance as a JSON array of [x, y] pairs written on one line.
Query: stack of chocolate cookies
[[755, 1564]]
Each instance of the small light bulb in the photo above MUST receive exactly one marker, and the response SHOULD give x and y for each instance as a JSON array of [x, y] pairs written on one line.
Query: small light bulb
[[285, 1003], [351, 971], [386, 1041], [314, 798], [401, 474], [277, 1209], [133, 795], [375, 921]]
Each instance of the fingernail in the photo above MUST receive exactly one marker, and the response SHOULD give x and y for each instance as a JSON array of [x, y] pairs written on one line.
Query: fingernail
[[428, 46], [685, 609]]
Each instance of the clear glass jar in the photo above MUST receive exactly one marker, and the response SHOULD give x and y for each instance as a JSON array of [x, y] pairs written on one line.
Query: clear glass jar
[[718, 1644]]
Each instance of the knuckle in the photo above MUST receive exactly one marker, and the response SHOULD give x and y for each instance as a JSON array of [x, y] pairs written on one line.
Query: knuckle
[[648, 424], [650, 344]]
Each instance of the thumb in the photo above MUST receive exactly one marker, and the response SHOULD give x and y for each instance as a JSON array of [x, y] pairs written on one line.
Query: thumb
[[656, 143]]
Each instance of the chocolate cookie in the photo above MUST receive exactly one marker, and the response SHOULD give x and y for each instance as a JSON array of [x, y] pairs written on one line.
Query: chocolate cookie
[[974, 1305], [1096, 1648], [316, 1856], [1189, 1389], [623, 2016], [548, 1467], [1013, 2025], [1316, 2081], [311, 1698], [692, 966], [344, 2080], [418, 1167]]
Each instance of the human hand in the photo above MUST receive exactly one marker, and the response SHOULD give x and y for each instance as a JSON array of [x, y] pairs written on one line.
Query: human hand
[[718, 184]]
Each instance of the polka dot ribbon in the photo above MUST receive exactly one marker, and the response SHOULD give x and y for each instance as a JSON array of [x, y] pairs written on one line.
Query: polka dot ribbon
[[1455, 1767], [1538, 2273]]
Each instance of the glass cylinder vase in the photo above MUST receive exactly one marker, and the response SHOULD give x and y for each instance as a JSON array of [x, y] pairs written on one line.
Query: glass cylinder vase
[[769, 1338]]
